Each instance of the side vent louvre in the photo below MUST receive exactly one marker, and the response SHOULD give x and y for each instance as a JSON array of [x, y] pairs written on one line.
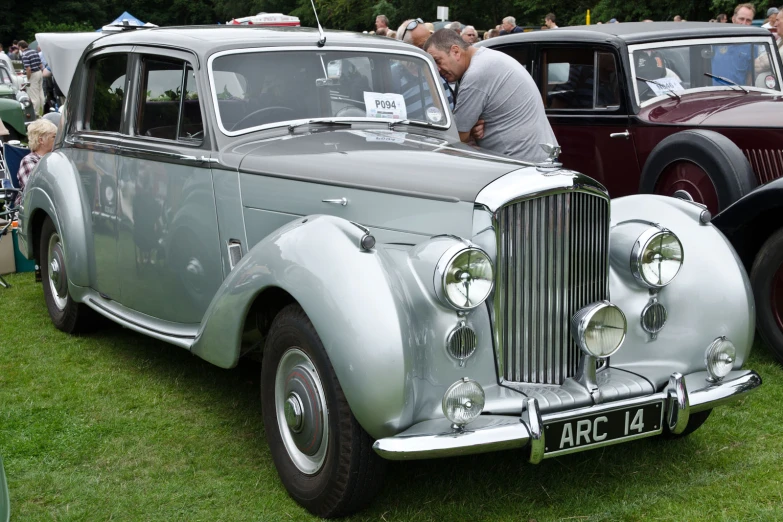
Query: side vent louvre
[[234, 252]]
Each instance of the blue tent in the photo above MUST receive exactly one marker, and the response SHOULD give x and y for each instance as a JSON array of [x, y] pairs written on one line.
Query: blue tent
[[132, 20]]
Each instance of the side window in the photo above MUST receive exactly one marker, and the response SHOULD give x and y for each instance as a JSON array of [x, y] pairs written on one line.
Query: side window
[[568, 78], [106, 93], [608, 93], [517, 52], [169, 107]]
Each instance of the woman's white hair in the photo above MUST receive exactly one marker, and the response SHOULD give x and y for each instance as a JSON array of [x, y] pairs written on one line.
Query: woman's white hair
[[38, 129]]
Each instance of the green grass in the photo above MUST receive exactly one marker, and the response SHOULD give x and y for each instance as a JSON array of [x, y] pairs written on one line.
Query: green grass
[[115, 426]]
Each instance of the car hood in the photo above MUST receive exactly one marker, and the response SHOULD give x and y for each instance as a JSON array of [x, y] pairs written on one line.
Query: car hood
[[387, 161], [6, 91], [719, 109]]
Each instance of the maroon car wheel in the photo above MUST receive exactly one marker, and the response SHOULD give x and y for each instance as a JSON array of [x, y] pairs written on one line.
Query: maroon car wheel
[[705, 164], [766, 278], [690, 178]]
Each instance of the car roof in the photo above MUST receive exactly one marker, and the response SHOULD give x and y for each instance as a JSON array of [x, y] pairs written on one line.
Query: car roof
[[207, 39], [634, 33]]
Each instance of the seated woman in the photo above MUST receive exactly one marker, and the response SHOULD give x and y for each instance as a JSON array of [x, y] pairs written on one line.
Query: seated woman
[[40, 139]]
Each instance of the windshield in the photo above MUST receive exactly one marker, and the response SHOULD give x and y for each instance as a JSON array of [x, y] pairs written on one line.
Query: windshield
[[262, 88], [680, 66]]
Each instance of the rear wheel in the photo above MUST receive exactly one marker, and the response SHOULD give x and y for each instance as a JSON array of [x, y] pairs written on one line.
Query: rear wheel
[[67, 315], [766, 278], [323, 456]]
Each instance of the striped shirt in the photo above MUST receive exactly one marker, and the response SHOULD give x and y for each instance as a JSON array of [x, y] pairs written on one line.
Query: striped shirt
[[416, 92], [31, 59]]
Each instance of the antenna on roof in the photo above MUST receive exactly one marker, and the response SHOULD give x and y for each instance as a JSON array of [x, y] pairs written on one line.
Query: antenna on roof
[[322, 39]]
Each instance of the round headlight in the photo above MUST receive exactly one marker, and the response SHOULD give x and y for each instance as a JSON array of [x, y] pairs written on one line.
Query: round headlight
[[463, 401], [599, 329], [719, 358], [656, 257], [463, 279]]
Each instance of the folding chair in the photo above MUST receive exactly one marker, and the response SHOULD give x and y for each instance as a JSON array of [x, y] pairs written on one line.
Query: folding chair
[[10, 159]]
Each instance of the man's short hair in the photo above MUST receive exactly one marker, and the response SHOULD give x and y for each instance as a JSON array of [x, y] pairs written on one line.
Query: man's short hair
[[455, 26], [22, 44], [381, 31], [464, 29], [383, 19], [550, 17], [444, 39], [747, 6], [510, 20]]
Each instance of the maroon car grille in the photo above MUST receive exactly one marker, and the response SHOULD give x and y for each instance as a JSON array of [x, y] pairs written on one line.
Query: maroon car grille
[[766, 163]]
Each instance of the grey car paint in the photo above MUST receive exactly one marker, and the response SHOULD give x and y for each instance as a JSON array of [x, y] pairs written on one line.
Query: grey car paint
[[375, 311]]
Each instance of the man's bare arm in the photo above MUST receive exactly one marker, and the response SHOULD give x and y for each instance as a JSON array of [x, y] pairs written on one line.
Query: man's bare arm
[[464, 137]]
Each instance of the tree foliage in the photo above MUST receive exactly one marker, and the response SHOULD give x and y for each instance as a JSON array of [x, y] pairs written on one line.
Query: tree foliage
[[352, 15]]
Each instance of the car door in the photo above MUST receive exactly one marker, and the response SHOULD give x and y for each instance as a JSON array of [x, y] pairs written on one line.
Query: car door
[[91, 144], [581, 87], [168, 239]]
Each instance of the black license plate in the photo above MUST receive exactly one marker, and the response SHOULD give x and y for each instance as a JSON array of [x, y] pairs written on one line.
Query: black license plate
[[602, 429]]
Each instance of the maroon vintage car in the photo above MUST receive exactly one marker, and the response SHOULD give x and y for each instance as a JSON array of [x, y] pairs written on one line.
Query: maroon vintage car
[[693, 110]]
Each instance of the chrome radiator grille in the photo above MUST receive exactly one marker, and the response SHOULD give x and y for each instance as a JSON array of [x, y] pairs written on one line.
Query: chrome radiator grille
[[766, 163], [552, 260]]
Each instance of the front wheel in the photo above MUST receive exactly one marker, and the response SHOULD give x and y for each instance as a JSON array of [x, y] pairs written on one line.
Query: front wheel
[[66, 314], [323, 456], [766, 278]]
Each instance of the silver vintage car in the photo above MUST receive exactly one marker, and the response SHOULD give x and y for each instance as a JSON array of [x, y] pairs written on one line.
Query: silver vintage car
[[304, 196]]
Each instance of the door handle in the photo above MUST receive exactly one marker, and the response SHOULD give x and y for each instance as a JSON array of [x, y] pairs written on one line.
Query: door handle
[[625, 135], [337, 201]]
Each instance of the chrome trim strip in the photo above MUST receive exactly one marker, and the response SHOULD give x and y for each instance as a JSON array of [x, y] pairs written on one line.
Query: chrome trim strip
[[389, 51], [183, 338], [701, 41], [435, 438]]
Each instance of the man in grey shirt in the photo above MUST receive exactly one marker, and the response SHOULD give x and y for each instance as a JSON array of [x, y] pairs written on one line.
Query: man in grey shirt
[[495, 88]]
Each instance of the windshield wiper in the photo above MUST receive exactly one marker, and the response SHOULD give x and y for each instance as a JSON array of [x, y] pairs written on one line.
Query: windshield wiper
[[392, 124], [318, 122], [663, 86], [726, 80]]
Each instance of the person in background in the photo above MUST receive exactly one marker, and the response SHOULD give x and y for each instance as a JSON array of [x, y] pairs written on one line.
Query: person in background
[[490, 33], [31, 62], [469, 34], [40, 139], [550, 22], [456, 27], [391, 34], [415, 32], [779, 33], [495, 88], [744, 14], [772, 14], [13, 52], [722, 18], [430, 27], [381, 22], [509, 26], [678, 18]]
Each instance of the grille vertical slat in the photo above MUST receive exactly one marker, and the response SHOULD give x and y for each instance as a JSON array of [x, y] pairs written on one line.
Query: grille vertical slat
[[767, 164], [552, 261]]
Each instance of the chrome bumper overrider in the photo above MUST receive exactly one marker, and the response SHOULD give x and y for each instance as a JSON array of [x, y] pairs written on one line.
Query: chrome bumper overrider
[[436, 438]]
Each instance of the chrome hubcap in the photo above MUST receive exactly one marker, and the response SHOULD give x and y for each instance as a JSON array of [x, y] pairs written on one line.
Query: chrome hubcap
[[293, 412], [58, 283], [302, 416]]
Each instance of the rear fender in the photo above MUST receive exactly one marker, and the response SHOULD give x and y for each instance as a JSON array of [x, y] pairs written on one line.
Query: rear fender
[[350, 297], [55, 189]]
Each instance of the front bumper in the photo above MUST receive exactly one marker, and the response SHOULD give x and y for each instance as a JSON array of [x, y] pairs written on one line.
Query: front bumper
[[436, 438]]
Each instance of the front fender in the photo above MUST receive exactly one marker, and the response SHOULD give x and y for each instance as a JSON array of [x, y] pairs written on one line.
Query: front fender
[[348, 295], [750, 221], [54, 189], [710, 296], [12, 115]]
